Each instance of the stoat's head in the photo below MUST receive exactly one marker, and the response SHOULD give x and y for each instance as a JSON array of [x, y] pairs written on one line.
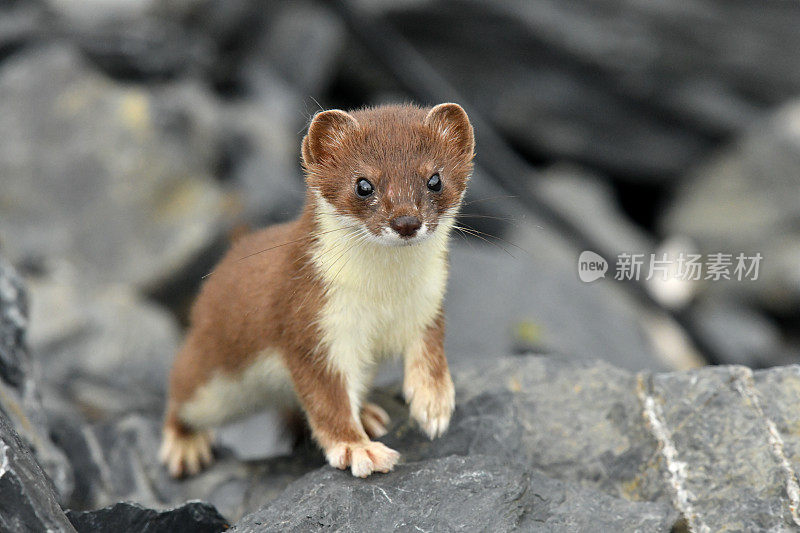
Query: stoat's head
[[397, 173]]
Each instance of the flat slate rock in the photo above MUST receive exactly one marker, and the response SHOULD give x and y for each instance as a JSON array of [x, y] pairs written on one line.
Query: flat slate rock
[[193, 517], [576, 422], [477, 493], [724, 457], [717, 445]]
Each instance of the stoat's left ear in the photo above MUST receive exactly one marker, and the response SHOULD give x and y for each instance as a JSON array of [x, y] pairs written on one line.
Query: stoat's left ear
[[325, 134], [451, 122]]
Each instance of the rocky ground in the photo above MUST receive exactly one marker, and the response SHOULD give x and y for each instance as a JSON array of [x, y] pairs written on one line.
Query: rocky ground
[[535, 444], [137, 137]]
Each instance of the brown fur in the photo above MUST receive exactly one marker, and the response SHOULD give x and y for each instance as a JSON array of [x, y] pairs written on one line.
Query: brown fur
[[267, 293]]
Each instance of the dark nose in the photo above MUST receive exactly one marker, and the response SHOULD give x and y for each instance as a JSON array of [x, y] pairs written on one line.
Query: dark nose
[[406, 226]]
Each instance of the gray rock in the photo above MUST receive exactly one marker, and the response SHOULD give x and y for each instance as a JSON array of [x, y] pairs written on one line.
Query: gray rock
[[112, 179], [717, 444], [20, 399], [588, 201], [106, 351], [117, 460], [723, 457], [580, 423], [779, 390], [283, 75], [740, 333], [633, 43], [518, 287], [265, 151], [519, 409], [747, 191], [626, 92], [720, 443], [451, 494], [744, 200], [192, 517], [302, 43], [529, 297], [551, 104], [20, 22], [28, 502], [149, 46]]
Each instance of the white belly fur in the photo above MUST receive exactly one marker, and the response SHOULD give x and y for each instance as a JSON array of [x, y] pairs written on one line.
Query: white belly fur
[[226, 397], [380, 299]]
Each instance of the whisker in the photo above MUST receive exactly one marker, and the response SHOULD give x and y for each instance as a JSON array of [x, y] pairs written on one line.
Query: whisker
[[471, 215], [464, 238], [310, 236], [360, 237], [459, 216], [499, 239], [337, 247], [357, 240], [489, 199], [471, 232], [307, 237]]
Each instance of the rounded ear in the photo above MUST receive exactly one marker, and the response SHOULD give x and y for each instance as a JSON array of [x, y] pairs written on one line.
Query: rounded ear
[[325, 134], [451, 122]]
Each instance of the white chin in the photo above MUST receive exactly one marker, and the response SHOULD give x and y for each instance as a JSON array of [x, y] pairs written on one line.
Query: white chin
[[389, 237]]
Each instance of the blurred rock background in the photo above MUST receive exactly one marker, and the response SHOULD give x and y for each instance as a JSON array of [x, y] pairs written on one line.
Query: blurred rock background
[[136, 137]]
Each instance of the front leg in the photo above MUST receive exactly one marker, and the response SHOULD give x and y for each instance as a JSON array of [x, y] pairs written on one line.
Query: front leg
[[325, 394], [427, 386]]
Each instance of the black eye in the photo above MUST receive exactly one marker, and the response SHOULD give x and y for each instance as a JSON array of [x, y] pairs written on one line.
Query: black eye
[[435, 183], [364, 188]]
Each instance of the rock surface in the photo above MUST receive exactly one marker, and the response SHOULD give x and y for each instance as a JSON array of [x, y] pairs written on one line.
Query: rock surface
[[475, 493], [20, 399], [302, 43], [193, 517], [264, 146], [105, 350], [716, 444], [113, 179], [723, 456], [556, 313], [742, 334], [28, 502], [636, 91], [135, 134], [744, 200], [117, 460]]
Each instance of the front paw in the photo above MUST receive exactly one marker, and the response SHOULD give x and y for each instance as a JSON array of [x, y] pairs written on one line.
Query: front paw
[[431, 404], [363, 458]]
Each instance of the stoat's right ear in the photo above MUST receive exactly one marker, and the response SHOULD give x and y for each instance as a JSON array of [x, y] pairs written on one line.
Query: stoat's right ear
[[450, 121], [325, 134]]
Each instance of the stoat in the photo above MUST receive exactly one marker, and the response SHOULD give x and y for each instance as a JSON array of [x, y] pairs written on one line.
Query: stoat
[[299, 314]]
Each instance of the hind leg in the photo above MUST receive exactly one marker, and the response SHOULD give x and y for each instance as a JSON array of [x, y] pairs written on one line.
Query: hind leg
[[374, 419], [184, 451], [186, 444], [203, 397]]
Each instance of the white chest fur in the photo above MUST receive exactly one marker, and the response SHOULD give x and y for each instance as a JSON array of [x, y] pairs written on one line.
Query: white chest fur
[[379, 299]]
